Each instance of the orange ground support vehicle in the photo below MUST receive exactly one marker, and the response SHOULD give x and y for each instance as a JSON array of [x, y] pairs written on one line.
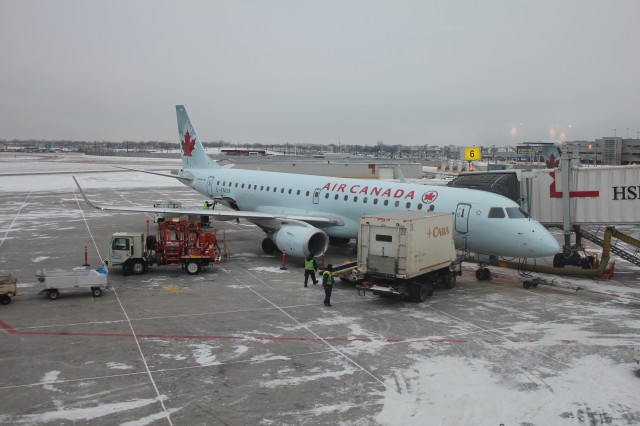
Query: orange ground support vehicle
[[176, 243]]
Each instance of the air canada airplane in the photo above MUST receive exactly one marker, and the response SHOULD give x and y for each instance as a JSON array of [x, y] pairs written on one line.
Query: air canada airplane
[[301, 213]]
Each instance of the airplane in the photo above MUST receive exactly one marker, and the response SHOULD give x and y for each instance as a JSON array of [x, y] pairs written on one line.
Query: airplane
[[301, 214]]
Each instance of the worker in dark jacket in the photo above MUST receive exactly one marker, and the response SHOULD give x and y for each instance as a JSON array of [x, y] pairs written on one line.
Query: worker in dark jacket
[[310, 266], [327, 283]]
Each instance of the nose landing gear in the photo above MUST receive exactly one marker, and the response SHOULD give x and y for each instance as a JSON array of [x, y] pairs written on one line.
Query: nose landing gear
[[483, 273]]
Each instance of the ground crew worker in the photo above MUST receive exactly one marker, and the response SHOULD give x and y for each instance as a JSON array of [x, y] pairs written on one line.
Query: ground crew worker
[[327, 283], [204, 220], [310, 266]]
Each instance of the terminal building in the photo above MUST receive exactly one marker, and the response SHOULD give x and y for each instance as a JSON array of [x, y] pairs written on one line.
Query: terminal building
[[607, 151]]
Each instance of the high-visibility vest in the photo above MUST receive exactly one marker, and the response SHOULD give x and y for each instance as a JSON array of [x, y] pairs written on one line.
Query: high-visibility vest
[[308, 265], [329, 277]]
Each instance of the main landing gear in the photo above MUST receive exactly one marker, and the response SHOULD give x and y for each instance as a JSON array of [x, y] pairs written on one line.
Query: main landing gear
[[483, 273]]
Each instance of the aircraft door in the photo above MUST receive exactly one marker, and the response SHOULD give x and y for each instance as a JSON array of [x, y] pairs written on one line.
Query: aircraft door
[[316, 196], [462, 218], [210, 186]]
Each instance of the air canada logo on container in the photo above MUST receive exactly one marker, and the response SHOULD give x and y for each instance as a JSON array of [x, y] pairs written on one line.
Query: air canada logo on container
[[429, 197]]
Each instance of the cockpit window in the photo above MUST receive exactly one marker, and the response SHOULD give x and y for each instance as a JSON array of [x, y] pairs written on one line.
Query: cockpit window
[[496, 212], [516, 213]]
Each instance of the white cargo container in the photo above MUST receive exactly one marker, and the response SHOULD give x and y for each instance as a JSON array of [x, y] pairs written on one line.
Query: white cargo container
[[54, 281], [405, 254]]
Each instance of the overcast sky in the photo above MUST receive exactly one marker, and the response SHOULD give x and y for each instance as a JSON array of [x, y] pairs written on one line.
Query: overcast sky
[[352, 72]]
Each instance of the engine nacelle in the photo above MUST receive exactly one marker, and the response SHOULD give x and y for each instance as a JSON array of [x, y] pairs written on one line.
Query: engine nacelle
[[300, 241]]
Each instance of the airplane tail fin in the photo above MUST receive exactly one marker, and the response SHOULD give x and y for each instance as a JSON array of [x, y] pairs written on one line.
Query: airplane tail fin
[[193, 153]]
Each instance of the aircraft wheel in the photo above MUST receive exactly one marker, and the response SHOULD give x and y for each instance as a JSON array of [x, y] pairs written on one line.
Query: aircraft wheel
[[483, 274], [192, 268], [96, 292], [526, 284], [5, 300], [559, 260], [268, 247], [53, 294]]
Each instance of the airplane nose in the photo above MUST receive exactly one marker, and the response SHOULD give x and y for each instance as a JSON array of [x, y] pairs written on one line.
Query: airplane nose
[[547, 244]]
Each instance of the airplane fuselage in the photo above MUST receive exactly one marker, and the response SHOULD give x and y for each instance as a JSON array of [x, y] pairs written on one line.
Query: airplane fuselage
[[483, 222]]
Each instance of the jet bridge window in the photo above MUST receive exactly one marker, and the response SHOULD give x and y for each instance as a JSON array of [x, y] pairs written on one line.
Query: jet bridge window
[[516, 213], [384, 238], [496, 213]]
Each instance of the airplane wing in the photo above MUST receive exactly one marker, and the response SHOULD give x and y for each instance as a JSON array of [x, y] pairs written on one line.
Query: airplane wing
[[220, 214], [185, 178]]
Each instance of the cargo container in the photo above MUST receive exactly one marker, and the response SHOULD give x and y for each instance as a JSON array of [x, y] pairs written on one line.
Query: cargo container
[[405, 254]]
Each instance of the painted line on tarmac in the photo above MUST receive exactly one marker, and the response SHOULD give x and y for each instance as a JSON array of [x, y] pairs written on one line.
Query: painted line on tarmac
[[24, 203], [9, 329]]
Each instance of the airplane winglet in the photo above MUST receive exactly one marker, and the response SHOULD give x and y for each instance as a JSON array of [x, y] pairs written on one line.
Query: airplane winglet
[[88, 201]]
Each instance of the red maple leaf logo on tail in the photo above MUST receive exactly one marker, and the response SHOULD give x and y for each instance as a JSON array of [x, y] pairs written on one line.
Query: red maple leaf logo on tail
[[429, 197], [187, 145]]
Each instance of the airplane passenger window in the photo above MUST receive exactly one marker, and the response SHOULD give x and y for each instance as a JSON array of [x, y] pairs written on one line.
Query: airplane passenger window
[[336, 196], [432, 208], [375, 201], [298, 193], [275, 189], [218, 183], [386, 202], [282, 191], [224, 183], [355, 198], [420, 206], [326, 195], [268, 188], [261, 187], [346, 197], [307, 193], [396, 204], [289, 191], [496, 213], [236, 184], [242, 186], [364, 200], [408, 205], [516, 213], [255, 187]]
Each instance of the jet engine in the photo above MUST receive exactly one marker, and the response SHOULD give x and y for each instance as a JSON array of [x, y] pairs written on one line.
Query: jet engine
[[300, 241]]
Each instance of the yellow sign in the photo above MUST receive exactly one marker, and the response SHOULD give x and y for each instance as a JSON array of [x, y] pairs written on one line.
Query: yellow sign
[[472, 154]]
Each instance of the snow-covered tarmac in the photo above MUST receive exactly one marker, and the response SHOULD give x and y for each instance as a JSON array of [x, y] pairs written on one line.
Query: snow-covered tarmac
[[245, 343]]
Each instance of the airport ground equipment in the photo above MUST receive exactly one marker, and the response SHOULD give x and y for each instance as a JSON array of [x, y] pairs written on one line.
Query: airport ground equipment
[[636, 356], [54, 281], [405, 254], [7, 287], [177, 243]]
